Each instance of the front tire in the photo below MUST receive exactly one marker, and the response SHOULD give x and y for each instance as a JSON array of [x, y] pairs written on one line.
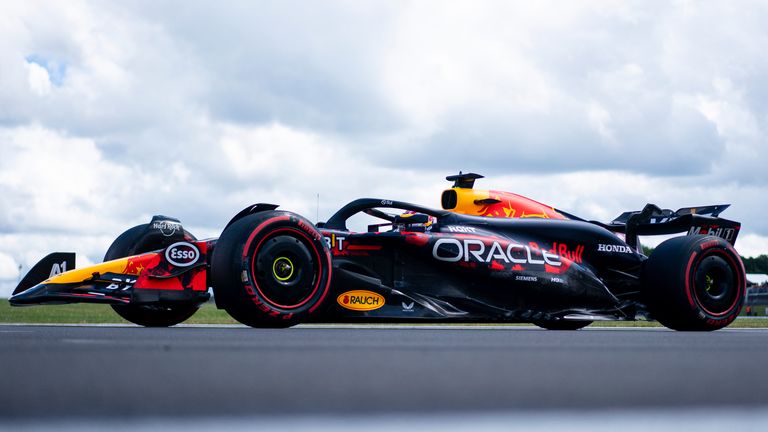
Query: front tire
[[694, 283], [271, 269], [562, 324], [155, 315], [138, 240]]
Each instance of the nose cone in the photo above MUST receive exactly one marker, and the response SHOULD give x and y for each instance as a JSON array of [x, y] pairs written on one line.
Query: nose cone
[[41, 293]]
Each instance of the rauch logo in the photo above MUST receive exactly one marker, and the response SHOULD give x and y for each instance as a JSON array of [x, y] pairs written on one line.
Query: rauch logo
[[360, 300]]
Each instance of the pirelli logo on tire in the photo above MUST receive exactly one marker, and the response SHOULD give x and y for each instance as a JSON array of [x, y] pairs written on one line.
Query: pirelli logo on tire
[[360, 300]]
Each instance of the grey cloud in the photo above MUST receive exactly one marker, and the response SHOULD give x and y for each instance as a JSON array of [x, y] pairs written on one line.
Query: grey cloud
[[670, 142], [321, 68], [301, 63]]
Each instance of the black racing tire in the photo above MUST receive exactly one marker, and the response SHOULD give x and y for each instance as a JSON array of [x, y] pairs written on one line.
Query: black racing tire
[[562, 324], [694, 283], [271, 269], [156, 315], [135, 241]]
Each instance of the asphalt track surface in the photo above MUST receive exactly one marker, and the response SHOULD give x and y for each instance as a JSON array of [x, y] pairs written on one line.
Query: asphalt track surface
[[60, 372]]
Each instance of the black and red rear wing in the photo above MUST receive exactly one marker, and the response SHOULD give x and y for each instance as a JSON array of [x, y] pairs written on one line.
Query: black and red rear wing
[[653, 220]]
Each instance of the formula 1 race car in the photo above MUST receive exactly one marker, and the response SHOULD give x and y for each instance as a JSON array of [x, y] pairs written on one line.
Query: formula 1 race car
[[487, 256]]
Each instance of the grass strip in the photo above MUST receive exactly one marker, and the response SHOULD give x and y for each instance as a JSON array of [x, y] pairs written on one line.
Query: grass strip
[[84, 313], [208, 314]]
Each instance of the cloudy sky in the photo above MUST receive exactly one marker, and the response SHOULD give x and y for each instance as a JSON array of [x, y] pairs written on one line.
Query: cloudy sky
[[111, 112]]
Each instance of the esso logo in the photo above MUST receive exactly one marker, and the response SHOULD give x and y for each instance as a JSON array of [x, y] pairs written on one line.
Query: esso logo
[[182, 254]]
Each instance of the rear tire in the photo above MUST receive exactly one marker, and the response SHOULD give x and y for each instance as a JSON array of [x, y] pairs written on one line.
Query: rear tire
[[271, 269], [694, 283], [136, 241]]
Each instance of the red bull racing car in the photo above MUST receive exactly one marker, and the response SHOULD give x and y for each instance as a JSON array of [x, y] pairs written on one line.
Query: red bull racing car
[[486, 256]]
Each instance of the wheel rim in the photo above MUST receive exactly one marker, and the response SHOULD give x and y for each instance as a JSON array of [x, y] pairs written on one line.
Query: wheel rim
[[284, 269], [715, 285]]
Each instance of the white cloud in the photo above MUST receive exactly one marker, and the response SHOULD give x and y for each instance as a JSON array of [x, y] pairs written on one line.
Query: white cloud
[[52, 181], [752, 245], [600, 119], [462, 57], [197, 110], [39, 81], [8, 267]]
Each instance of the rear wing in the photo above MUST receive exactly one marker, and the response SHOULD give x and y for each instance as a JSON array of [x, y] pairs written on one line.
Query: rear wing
[[652, 220]]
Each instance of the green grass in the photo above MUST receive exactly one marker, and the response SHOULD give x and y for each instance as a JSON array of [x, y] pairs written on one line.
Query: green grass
[[208, 314], [93, 314]]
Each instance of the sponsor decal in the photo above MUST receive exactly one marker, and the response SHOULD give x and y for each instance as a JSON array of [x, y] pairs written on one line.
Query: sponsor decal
[[166, 228], [182, 254], [461, 229], [360, 300], [614, 248], [125, 282], [709, 244], [526, 278], [407, 307], [724, 233], [309, 229], [473, 250], [335, 242], [555, 279], [661, 220], [386, 202], [58, 269], [564, 251]]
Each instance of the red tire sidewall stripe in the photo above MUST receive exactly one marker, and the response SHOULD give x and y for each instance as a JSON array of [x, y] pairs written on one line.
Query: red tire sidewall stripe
[[310, 241], [327, 282], [258, 229], [693, 299], [688, 280]]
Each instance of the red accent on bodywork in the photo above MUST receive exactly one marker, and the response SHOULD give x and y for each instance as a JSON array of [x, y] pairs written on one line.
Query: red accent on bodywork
[[552, 269], [364, 247], [136, 265], [152, 264], [152, 270], [172, 284], [565, 264], [517, 206], [199, 280], [564, 251], [414, 238]]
